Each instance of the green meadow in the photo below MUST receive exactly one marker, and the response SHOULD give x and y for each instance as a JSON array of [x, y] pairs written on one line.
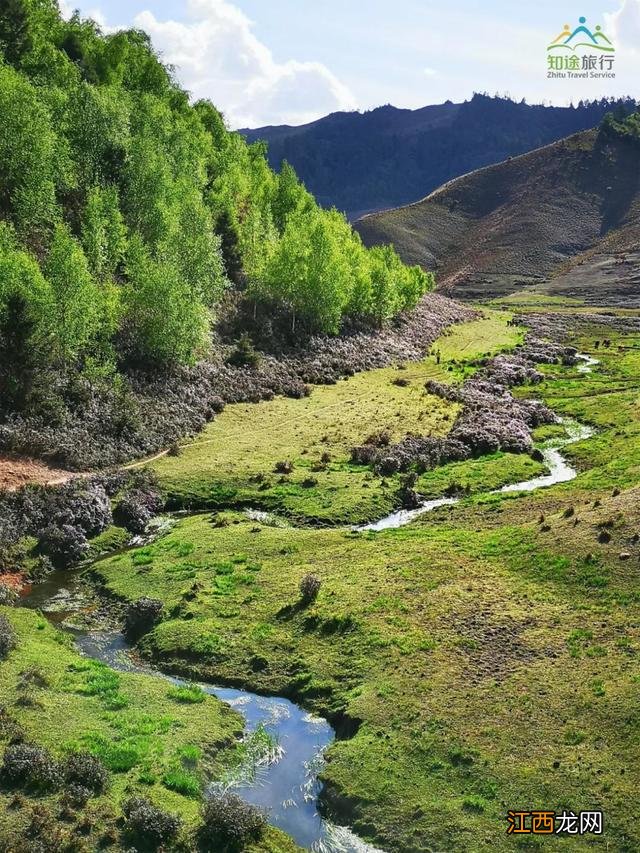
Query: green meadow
[[485, 655]]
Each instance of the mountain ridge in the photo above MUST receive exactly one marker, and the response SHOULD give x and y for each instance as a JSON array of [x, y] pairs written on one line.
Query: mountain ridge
[[564, 218], [390, 156]]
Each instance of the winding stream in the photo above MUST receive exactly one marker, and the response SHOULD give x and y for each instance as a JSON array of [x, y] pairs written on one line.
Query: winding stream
[[559, 469], [287, 784], [559, 472]]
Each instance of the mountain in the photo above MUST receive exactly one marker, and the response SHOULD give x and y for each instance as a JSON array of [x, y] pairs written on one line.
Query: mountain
[[387, 157], [565, 217]]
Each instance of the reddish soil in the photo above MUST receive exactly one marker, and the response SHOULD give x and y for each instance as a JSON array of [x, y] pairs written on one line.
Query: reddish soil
[[15, 581], [17, 471]]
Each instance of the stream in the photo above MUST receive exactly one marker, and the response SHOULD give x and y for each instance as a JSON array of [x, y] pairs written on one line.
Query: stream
[[286, 782], [559, 472]]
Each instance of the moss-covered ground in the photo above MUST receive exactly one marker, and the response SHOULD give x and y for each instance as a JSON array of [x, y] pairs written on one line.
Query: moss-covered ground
[[234, 462], [481, 659], [153, 744], [486, 656]]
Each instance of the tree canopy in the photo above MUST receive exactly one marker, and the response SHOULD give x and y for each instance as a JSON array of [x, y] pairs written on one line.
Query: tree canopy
[[126, 211]]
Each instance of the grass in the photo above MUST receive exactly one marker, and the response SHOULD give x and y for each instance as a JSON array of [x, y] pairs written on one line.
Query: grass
[[486, 656], [478, 475], [233, 463], [437, 639], [151, 743]]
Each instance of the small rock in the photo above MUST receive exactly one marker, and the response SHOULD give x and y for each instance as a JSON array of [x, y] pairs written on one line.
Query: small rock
[[624, 555]]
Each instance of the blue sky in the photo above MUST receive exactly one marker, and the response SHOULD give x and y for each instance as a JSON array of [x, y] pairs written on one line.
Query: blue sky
[[290, 61]]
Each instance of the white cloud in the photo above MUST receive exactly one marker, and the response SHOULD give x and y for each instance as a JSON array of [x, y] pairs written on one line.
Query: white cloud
[[623, 26], [67, 10], [217, 56]]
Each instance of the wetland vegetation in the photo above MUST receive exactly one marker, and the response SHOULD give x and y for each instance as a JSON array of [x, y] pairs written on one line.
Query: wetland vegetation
[[216, 632], [431, 647]]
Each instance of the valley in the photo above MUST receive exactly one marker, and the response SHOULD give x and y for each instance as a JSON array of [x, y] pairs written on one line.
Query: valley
[[432, 652], [313, 536], [559, 221]]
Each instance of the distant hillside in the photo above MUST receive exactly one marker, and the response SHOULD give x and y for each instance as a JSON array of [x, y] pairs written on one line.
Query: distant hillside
[[387, 157], [566, 215]]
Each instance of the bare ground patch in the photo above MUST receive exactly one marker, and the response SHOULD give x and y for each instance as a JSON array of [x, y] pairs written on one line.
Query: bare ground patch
[[18, 471], [492, 644]]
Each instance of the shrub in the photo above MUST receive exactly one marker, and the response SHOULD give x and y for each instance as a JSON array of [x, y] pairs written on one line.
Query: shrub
[[8, 597], [387, 466], [79, 504], [12, 554], [244, 354], [64, 544], [132, 512], [83, 770], [41, 569], [309, 588], [141, 501], [228, 823], [378, 439], [364, 454], [26, 765], [141, 616], [76, 797], [148, 824], [7, 637], [216, 404]]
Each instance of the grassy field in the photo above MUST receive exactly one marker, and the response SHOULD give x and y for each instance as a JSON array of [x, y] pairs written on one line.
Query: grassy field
[[152, 743], [486, 656], [234, 461]]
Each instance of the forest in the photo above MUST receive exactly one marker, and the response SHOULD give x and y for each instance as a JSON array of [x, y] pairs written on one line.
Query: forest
[[132, 219]]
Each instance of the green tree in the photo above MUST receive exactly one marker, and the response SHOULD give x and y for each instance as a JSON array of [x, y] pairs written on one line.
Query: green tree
[[25, 307], [227, 228], [97, 131], [27, 155], [167, 326], [307, 274], [103, 232], [289, 195], [194, 248], [129, 210], [78, 306]]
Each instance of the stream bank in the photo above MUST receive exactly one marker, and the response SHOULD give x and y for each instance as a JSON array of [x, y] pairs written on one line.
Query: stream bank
[[289, 784]]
